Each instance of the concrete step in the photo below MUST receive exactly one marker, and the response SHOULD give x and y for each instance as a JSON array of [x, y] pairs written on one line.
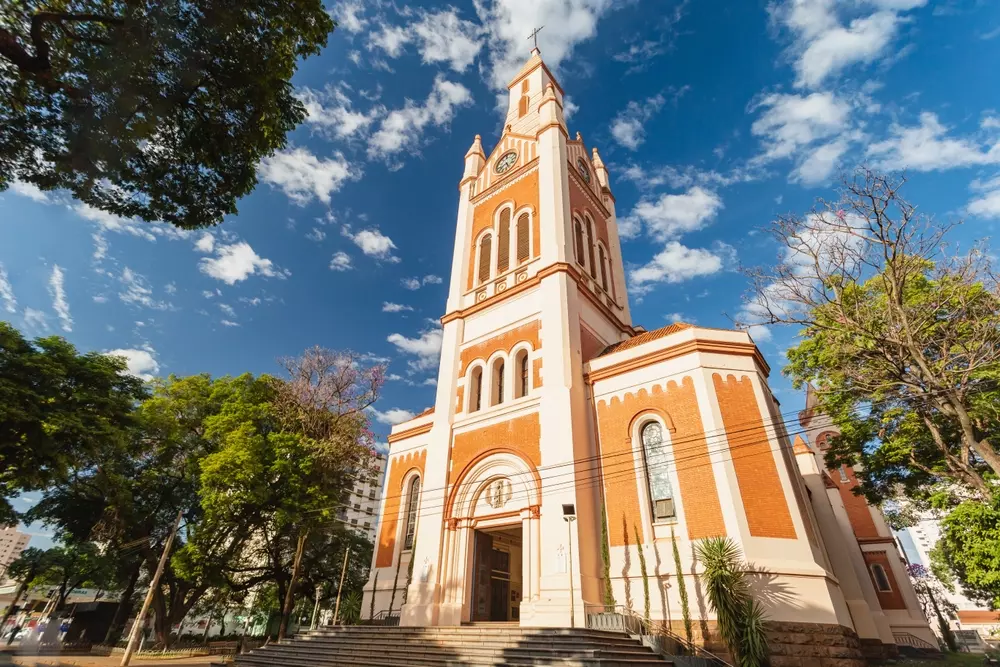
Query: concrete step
[[450, 661], [613, 640], [464, 650]]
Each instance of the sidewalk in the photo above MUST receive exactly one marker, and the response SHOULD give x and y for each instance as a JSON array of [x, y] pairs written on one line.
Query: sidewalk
[[113, 661]]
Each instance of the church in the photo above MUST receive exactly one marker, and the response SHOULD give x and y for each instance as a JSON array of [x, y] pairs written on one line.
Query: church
[[553, 410]]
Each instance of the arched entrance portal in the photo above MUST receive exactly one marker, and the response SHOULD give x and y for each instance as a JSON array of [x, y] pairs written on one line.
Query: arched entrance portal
[[491, 562]]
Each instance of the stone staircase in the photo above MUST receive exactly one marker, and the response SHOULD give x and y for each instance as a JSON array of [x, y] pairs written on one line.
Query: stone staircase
[[358, 646]]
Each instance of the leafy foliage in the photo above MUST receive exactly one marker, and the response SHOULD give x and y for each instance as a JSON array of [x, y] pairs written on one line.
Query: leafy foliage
[[901, 341], [160, 110], [739, 615], [609, 594], [969, 549], [644, 574], [682, 590], [57, 407], [931, 593]]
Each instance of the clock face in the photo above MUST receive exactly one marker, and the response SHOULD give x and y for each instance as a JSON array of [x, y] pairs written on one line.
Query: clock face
[[506, 161], [584, 171]]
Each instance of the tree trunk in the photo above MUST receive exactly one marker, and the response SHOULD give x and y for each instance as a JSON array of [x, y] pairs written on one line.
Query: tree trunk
[[124, 604], [208, 627], [286, 610]]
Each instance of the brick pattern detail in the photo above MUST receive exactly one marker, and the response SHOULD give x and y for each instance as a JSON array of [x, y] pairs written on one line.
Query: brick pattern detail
[[590, 344], [460, 399], [399, 467], [523, 192], [506, 341], [750, 451], [888, 599], [537, 373], [813, 645], [858, 512], [521, 435], [579, 203], [678, 407]]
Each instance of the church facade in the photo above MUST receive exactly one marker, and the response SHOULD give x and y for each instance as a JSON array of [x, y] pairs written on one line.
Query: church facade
[[553, 410]]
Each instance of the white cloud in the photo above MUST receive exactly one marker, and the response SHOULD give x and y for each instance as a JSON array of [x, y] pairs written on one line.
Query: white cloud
[[793, 121], [227, 309], [316, 234], [7, 292], [819, 165], [136, 291], [390, 38], [389, 307], [349, 15], [229, 323], [31, 191], [59, 303], [674, 264], [392, 416], [170, 288], [304, 177], [373, 243], [441, 37], [141, 362], [402, 128], [987, 203], [418, 282], [341, 261], [426, 348], [100, 246], [628, 127], [238, 261], [569, 107], [149, 231], [330, 111], [35, 319], [508, 23], [926, 147], [205, 243], [672, 215], [825, 43]]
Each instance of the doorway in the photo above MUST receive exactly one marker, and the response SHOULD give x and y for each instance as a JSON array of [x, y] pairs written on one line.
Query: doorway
[[496, 584]]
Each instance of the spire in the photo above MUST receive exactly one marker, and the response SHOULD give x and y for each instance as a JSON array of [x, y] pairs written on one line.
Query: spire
[[475, 158], [600, 169]]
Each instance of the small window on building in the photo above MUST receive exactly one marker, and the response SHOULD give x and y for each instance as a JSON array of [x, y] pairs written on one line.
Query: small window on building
[[523, 239], [411, 513], [503, 242], [367, 524], [843, 474], [354, 522], [579, 244], [521, 368], [604, 267], [476, 389], [661, 493], [590, 249], [881, 578], [485, 257], [497, 383]]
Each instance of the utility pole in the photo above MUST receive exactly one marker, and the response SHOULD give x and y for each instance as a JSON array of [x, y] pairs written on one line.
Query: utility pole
[[140, 620], [343, 571]]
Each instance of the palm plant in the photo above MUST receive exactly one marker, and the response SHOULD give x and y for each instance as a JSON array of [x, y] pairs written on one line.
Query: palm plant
[[739, 616], [350, 608]]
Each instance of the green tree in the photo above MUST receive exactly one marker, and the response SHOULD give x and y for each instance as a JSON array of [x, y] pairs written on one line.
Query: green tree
[[57, 407], [72, 566], [739, 616], [609, 594], [682, 589], [160, 110], [644, 573], [931, 593], [969, 549], [25, 570], [901, 340]]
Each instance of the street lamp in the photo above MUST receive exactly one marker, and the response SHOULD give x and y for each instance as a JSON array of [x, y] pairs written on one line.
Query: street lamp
[[569, 516]]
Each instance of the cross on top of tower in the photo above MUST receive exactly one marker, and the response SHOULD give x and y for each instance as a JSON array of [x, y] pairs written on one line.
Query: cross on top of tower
[[534, 36]]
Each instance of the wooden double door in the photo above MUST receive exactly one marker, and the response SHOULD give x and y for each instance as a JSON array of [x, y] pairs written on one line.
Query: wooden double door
[[492, 598]]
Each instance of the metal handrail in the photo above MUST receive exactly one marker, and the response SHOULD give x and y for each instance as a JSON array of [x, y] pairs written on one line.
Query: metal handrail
[[653, 628], [914, 641]]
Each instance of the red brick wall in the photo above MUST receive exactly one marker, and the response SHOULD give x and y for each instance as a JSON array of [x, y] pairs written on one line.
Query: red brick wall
[[888, 600], [399, 467]]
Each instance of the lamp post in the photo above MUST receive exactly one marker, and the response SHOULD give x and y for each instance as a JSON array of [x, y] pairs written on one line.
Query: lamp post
[[569, 516]]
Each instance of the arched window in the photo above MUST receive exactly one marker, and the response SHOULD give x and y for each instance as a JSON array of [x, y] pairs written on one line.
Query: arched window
[[579, 244], [485, 254], [503, 242], [521, 368], [523, 239], [476, 389], [881, 578], [412, 496], [522, 106], [604, 267], [590, 248], [661, 493], [496, 387]]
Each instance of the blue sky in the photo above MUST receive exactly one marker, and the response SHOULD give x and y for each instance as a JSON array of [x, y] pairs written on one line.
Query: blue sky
[[713, 117]]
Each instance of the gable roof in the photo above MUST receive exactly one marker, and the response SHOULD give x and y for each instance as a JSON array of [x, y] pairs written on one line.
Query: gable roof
[[645, 337]]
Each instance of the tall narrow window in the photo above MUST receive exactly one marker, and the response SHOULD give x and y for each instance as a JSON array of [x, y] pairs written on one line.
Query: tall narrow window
[[497, 384], [503, 242], [590, 248], [476, 389], [881, 578], [521, 367], [412, 497], [604, 267], [522, 106], [485, 255], [523, 239], [579, 244], [661, 493]]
